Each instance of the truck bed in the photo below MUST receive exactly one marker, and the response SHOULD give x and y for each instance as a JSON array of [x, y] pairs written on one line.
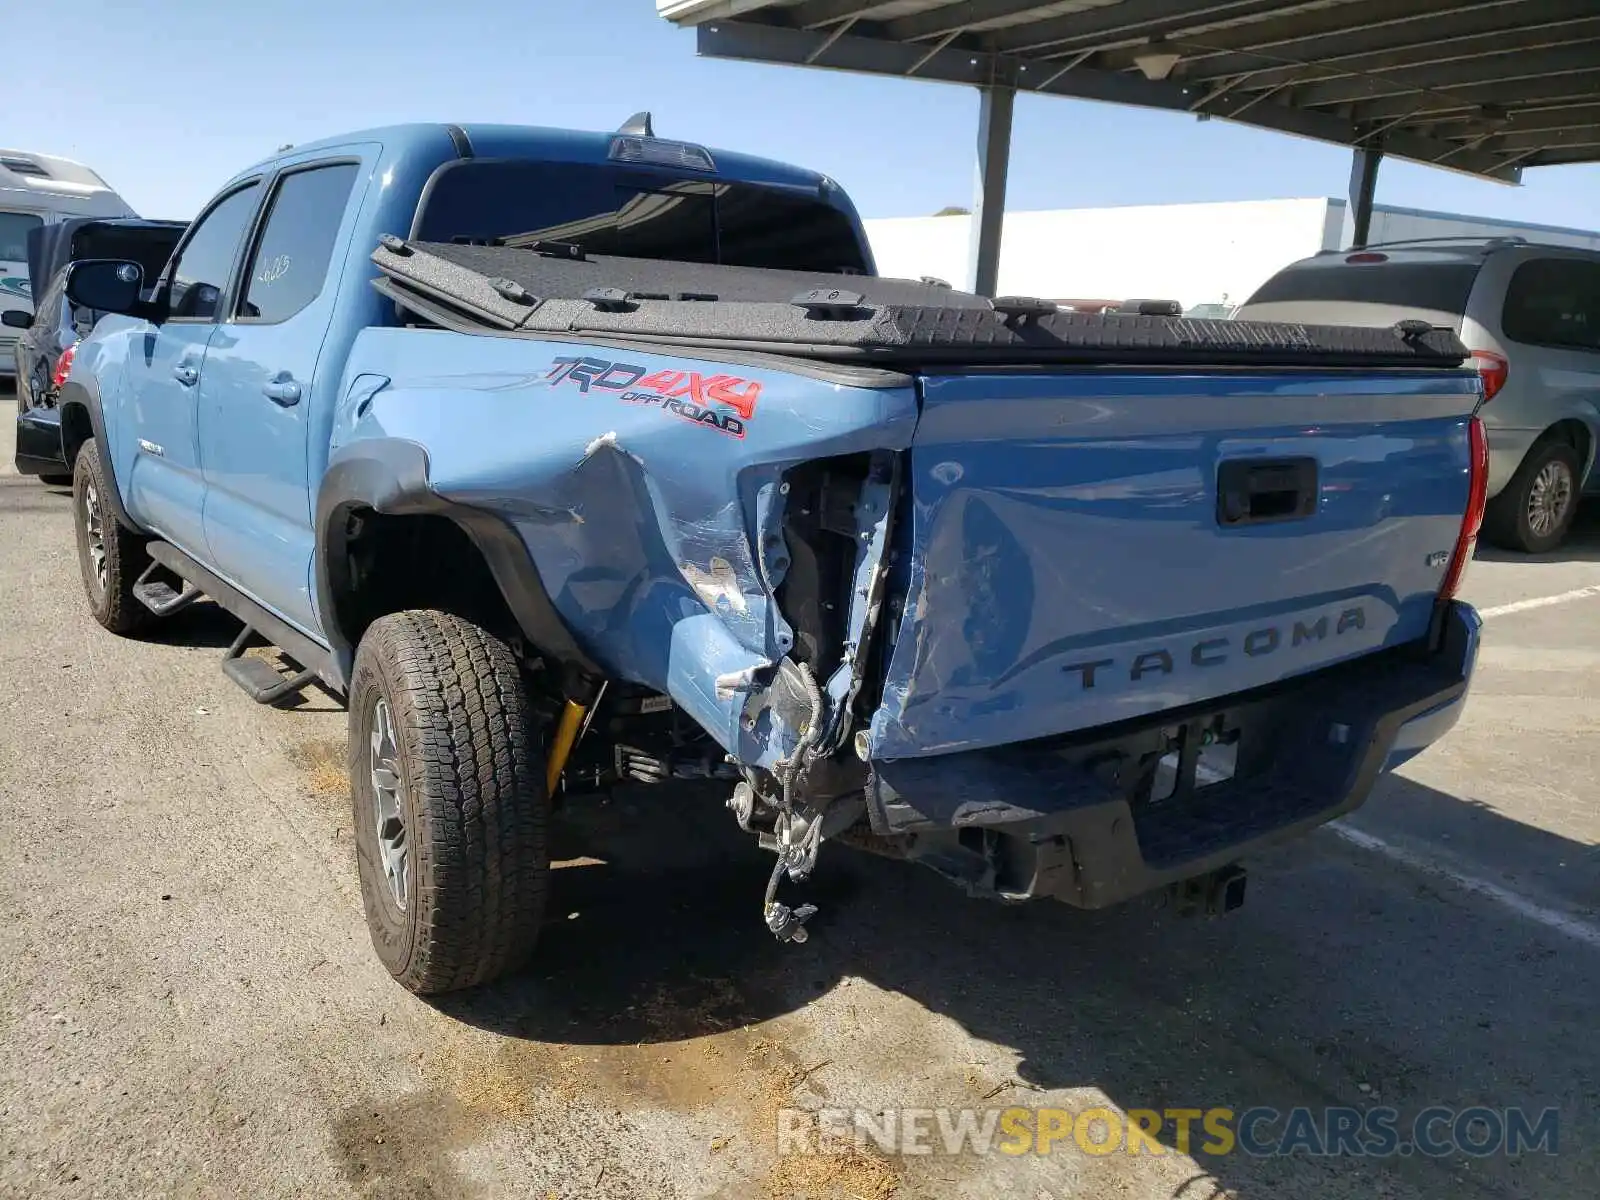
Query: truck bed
[[553, 289], [1015, 524]]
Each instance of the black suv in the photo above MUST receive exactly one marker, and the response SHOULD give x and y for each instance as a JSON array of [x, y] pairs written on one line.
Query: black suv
[[44, 350]]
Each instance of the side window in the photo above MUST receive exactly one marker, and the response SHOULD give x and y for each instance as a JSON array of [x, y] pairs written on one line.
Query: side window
[[201, 272], [290, 262], [1554, 302], [14, 227]]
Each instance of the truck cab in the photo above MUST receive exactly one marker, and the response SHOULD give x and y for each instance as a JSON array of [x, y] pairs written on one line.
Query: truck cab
[[223, 423]]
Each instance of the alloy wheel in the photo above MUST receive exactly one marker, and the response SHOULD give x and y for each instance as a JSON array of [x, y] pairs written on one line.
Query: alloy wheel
[[94, 527], [1549, 498], [388, 803]]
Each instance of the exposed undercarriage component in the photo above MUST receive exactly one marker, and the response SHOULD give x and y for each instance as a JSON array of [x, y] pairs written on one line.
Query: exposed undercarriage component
[[824, 557], [631, 735], [835, 530]]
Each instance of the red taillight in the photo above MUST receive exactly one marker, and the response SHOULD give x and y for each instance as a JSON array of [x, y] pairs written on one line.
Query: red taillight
[[1477, 497], [63, 366], [1366, 256], [1493, 369]]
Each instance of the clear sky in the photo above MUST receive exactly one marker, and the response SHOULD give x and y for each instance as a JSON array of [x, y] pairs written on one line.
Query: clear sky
[[167, 106]]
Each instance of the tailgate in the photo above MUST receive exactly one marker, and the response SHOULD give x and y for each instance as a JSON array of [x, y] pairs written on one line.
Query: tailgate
[[1085, 547]]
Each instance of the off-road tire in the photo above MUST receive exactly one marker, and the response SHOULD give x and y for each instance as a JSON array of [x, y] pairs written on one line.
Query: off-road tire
[[472, 794], [111, 599], [1507, 521]]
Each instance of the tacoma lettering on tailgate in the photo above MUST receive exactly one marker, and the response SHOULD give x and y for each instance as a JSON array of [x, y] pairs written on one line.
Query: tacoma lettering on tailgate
[[1213, 652]]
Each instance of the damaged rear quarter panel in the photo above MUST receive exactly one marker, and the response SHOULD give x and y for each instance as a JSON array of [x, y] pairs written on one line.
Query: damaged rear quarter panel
[[656, 526]]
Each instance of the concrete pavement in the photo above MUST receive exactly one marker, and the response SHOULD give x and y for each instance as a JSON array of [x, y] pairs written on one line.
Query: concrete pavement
[[190, 1006]]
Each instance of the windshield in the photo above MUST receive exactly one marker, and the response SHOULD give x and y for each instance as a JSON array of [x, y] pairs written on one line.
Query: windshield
[[637, 213]]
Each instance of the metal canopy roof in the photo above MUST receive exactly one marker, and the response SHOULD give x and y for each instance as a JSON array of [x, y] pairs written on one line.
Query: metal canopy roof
[[1483, 86]]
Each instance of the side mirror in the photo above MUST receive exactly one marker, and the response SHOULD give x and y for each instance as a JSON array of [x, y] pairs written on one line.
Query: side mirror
[[107, 285], [16, 318]]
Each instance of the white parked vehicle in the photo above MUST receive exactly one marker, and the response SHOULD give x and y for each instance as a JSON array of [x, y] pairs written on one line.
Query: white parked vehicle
[[37, 190]]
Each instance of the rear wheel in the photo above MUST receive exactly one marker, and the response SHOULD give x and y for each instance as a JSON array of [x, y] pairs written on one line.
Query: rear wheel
[[450, 809], [110, 558], [1536, 508]]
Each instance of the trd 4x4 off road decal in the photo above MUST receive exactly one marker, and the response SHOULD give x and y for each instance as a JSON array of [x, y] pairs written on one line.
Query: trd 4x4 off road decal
[[691, 395]]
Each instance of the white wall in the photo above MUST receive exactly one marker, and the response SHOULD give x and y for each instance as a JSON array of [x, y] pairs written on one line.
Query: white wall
[[1192, 253]]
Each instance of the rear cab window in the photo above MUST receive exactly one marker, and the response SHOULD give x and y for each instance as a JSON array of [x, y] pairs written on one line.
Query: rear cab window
[[637, 213], [1554, 302]]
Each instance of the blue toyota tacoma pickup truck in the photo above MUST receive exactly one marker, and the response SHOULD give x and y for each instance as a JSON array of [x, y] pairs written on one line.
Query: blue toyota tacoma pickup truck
[[579, 459]]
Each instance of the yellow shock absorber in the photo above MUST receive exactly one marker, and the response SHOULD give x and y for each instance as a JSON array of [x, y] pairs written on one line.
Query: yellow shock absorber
[[561, 745]]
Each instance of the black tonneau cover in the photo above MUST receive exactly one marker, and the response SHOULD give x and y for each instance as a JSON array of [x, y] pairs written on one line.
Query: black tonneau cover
[[552, 290]]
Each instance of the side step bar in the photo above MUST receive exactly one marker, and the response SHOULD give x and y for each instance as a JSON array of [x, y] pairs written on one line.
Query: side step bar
[[260, 680], [158, 595]]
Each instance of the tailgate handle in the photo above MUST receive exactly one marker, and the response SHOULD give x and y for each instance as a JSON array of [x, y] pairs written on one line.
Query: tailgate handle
[[1256, 491]]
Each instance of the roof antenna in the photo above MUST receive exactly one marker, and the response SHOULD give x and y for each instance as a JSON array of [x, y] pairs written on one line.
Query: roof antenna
[[638, 125]]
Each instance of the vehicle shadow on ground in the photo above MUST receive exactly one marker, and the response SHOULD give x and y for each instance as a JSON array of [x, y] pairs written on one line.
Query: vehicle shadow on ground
[[1345, 980], [1582, 543], [202, 626], [205, 625], [28, 495]]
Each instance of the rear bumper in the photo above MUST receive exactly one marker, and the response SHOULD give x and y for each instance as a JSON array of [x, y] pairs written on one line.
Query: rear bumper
[[1071, 818], [39, 443]]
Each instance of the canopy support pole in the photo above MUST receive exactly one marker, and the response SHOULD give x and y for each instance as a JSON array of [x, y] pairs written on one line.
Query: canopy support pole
[[1363, 186], [989, 208]]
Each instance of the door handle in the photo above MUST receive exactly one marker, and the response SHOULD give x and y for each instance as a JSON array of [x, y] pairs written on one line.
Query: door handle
[[185, 374], [282, 390]]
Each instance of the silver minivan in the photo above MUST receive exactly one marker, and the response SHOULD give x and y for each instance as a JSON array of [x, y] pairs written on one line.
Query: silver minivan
[[1529, 313]]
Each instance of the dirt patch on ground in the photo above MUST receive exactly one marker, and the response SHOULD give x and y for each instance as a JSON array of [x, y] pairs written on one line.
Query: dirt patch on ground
[[779, 1083], [402, 1149], [740, 1077], [580, 1057], [323, 765], [853, 1174]]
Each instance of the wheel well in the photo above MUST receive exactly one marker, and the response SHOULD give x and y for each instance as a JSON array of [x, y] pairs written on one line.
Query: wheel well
[[76, 429], [1574, 433], [387, 564]]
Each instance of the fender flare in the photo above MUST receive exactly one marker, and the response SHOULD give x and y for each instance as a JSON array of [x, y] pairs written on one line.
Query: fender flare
[[390, 476], [85, 394]]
